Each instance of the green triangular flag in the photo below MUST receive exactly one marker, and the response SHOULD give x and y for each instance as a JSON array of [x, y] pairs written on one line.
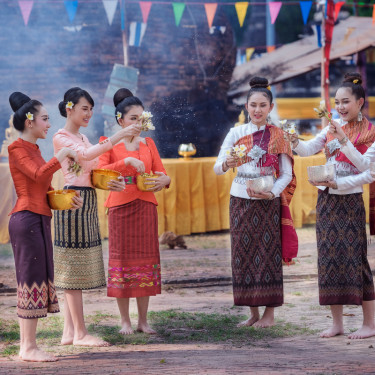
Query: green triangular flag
[[178, 9]]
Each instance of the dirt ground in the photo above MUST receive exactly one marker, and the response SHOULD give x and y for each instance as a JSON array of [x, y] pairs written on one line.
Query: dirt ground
[[198, 280]]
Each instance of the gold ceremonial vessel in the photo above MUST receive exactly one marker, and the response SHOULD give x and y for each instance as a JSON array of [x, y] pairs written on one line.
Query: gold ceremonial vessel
[[101, 177], [186, 150], [61, 199], [141, 179]]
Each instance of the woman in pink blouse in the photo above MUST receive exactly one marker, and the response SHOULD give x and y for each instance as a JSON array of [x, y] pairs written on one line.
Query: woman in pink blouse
[[78, 250]]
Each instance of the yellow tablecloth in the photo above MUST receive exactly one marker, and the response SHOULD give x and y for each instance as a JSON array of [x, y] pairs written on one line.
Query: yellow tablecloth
[[197, 200]]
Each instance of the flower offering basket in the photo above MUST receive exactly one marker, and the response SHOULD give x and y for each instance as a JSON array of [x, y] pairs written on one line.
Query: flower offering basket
[[260, 184], [322, 173]]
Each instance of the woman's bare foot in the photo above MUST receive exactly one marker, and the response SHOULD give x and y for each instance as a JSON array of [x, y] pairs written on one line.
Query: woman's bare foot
[[362, 333], [333, 331], [37, 355], [89, 340], [249, 322], [265, 322], [66, 340], [145, 328], [126, 329]]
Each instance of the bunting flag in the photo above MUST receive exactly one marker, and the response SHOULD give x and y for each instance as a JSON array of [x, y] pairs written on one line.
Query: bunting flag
[[26, 7], [145, 9], [318, 30], [249, 53], [210, 12], [305, 9], [122, 12], [71, 7], [136, 32], [274, 8], [373, 15], [241, 9], [178, 10], [110, 9], [337, 8]]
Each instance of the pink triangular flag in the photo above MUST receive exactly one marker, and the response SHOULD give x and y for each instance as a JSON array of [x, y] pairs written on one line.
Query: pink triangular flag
[[274, 8], [210, 12], [145, 9], [26, 7]]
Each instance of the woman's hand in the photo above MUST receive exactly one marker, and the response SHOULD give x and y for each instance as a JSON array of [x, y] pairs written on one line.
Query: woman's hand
[[77, 201], [292, 138], [264, 195], [336, 130], [133, 130], [117, 185], [66, 153], [135, 163], [159, 182], [331, 184]]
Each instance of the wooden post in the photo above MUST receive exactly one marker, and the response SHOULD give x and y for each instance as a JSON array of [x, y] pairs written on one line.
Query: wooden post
[[124, 33], [322, 68]]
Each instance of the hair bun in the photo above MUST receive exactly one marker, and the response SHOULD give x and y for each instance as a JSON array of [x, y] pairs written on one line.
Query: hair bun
[[17, 100], [120, 95], [258, 82], [353, 77], [62, 109]]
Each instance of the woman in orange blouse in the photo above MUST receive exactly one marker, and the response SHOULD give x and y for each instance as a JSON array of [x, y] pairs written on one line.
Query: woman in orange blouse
[[134, 258], [29, 225]]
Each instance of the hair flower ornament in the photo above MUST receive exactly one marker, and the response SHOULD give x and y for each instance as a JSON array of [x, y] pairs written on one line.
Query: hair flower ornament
[[355, 81], [69, 105], [118, 115], [30, 116], [269, 88]]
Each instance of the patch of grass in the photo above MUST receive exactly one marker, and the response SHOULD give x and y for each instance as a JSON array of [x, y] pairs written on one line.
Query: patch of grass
[[10, 350], [6, 250], [297, 293], [9, 330]]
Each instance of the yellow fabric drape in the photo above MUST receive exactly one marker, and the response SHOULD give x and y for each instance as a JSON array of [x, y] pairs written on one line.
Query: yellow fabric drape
[[197, 200]]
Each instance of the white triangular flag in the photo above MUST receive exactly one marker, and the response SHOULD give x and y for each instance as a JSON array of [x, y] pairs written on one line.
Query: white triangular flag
[[110, 9]]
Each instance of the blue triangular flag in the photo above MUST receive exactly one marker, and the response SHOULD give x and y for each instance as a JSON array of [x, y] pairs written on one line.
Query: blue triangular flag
[[71, 7], [319, 35], [305, 9]]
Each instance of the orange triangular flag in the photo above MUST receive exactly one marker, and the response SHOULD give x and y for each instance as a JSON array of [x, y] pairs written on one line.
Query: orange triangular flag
[[145, 9], [241, 9], [373, 15], [210, 12]]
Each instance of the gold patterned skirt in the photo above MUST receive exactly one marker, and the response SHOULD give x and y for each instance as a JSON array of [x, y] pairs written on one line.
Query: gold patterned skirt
[[78, 255]]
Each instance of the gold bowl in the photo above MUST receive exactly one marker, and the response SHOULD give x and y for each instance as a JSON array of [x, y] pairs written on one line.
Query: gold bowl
[[61, 199], [141, 179], [187, 150], [101, 177]]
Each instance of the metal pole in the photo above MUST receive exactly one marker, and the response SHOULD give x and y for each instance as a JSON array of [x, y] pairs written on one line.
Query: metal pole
[[124, 33]]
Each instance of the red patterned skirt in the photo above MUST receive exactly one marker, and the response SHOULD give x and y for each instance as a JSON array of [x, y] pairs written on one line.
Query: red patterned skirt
[[345, 276], [257, 273], [30, 235], [134, 258]]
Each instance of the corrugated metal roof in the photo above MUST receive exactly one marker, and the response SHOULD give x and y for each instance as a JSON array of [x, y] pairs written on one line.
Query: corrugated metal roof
[[349, 36]]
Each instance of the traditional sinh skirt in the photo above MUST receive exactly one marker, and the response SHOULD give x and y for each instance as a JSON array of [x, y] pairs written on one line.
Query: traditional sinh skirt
[[134, 258], [257, 274], [78, 248], [30, 235], [345, 276]]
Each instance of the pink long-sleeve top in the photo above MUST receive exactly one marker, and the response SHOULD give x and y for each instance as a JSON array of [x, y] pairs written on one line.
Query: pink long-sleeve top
[[88, 156]]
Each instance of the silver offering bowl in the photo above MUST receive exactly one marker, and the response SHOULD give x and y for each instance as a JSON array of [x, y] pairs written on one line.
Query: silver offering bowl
[[322, 173], [260, 184]]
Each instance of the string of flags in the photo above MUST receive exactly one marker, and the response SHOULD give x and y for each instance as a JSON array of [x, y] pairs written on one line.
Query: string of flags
[[241, 8]]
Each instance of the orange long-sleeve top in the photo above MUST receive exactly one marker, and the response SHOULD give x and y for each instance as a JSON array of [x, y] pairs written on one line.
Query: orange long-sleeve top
[[32, 177], [114, 159]]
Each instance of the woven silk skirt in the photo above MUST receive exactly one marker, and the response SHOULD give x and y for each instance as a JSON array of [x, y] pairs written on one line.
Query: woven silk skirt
[[345, 276], [134, 258], [78, 248], [257, 273], [30, 235]]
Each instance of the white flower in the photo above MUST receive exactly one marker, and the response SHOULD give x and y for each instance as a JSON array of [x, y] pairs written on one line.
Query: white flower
[[236, 148], [282, 122], [30, 116], [243, 148], [292, 131], [69, 105], [228, 152], [118, 115], [147, 115], [240, 154]]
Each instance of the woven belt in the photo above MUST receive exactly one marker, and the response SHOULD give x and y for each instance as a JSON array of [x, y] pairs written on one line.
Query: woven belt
[[130, 180]]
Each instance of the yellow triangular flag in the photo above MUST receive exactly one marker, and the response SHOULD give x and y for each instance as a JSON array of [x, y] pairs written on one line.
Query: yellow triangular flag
[[241, 9], [249, 53]]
